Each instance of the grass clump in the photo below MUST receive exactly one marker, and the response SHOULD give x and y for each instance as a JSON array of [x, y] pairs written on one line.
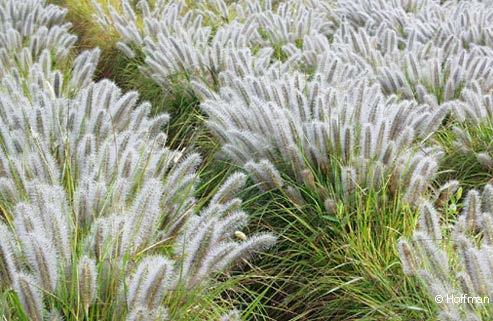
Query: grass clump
[[347, 117], [341, 263]]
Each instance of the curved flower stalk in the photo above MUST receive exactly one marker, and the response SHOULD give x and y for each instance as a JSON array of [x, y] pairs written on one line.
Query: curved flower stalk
[[99, 134], [472, 134], [41, 76], [397, 15], [427, 72], [126, 183], [311, 125], [455, 262], [92, 194], [393, 43], [305, 57], [469, 22], [44, 256], [448, 70], [442, 80], [291, 21], [176, 39], [418, 50], [27, 28], [197, 42]]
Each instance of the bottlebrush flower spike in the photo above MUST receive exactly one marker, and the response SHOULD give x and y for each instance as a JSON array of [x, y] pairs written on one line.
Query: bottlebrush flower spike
[[475, 114], [469, 271], [315, 123], [93, 192], [43, 260], [87, 276], [30, 296], [27, 29], [231, 316], [445, 192], [177, 39], [154, 277], [8, 266]]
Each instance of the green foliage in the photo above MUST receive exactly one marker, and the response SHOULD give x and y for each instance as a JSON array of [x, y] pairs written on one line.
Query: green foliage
[[461, 165], [342, 265], [337, 257]]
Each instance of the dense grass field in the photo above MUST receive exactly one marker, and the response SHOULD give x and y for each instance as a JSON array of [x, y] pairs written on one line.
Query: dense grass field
[[236, 160]]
